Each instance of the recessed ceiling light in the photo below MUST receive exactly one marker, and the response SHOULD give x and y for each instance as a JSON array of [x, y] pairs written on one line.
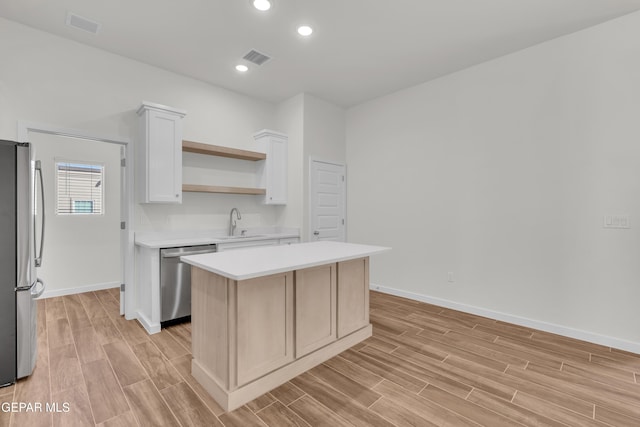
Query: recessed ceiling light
[[242, 68], [262, 5], [305, 30]]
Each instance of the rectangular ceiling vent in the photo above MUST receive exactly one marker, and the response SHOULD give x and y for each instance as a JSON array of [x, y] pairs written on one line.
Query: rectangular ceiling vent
[[256, 57], [84, 24]]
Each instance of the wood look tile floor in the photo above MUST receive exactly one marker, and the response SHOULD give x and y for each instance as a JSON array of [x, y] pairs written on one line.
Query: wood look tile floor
[[424, 366]]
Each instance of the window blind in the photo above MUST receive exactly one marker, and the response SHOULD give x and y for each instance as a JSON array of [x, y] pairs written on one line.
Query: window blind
[[79, 188]]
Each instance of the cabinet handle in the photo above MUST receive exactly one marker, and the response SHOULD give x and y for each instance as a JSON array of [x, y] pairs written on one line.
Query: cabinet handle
[[177, 195]]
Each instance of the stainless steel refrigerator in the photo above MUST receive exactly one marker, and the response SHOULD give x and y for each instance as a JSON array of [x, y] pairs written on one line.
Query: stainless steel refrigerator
[[20, 254]]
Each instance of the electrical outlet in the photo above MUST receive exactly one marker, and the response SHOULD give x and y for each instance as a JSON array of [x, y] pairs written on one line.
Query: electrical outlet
[[450, 277], [617, 221]]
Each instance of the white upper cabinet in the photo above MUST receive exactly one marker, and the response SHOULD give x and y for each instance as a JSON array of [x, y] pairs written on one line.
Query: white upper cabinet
[[160, 154], [274, 173]]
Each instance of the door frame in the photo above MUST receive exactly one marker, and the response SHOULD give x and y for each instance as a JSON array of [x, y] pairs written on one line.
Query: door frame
[[126, 197], [313, 160]]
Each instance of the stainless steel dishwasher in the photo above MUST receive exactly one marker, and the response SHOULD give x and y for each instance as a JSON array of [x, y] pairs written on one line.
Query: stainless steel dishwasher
[[175, 283]]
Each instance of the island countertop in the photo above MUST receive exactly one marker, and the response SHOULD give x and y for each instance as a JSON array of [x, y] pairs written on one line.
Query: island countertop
[[262, 261]]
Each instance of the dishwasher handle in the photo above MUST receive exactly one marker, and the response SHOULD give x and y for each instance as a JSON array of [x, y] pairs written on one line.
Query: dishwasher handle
[[181, 252]]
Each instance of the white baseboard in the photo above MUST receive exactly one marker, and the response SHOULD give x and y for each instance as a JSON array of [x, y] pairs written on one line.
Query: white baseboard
[[579, 334], [78, 289], [148, 325]]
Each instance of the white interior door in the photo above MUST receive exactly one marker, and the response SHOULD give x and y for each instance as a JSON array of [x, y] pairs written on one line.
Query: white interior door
[[328, 201]]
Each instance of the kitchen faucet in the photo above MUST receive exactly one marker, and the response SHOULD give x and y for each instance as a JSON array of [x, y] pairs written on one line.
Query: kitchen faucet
[[232, 222]]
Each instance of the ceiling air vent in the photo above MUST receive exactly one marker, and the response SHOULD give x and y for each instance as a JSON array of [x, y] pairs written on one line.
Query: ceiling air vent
[[84, 24], [256, 57]]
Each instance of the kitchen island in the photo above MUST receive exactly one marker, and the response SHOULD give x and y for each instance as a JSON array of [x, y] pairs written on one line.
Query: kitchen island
[[261, 316]]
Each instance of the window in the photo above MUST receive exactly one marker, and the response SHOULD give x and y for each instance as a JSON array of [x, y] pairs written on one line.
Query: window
[[79, 188], [82, 206]]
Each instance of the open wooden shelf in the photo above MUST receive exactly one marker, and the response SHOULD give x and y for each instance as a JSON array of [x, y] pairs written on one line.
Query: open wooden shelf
[[218, 189], [215, 150]]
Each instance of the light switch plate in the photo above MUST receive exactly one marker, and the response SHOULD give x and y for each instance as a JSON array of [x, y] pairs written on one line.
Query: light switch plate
[[617, 221]]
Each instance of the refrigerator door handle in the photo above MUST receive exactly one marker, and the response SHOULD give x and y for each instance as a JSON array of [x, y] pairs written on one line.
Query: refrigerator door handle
[[35, 292], [38, 260]]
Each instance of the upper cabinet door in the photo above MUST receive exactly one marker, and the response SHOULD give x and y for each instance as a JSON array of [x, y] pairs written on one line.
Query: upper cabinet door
[[275, 172], [160, 154]]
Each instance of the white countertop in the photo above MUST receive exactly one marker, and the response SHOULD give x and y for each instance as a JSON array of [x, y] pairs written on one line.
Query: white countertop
[[174, 239], [263, 261]]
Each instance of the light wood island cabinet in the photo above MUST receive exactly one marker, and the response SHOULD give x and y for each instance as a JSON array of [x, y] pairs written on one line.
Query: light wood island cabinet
[[316, 319], [261, 316], [353, 295]]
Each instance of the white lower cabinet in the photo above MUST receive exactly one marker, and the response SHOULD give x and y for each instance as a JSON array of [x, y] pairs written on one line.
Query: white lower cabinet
[[147, 294], [228, 246], [240, 245], [289, 241]]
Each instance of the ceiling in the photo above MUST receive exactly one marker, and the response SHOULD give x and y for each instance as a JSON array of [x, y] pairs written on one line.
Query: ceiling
[[360, 49]]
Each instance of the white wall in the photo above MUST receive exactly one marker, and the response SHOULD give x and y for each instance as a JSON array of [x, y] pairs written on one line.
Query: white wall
[[289, 119], [324, 129], [324, 139], [81, 252], [51, 80], [501, 174], [316, 129]]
